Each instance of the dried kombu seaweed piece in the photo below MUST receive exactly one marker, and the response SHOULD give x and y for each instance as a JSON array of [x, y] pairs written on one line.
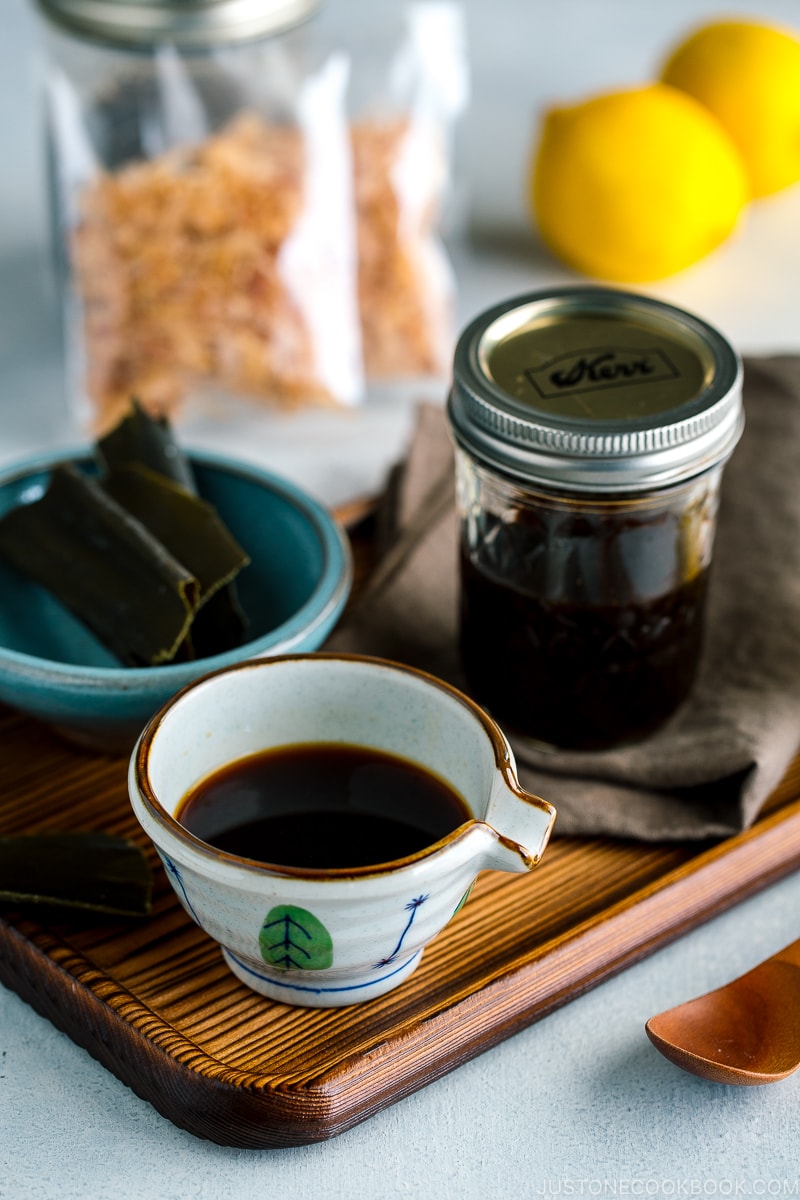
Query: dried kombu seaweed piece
[[143, 440], [148, 441], [104, 565], [184, 524], [220, 623], [91, 871]]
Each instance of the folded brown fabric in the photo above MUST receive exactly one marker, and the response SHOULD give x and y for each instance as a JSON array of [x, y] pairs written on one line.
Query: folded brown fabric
[[709, 770]]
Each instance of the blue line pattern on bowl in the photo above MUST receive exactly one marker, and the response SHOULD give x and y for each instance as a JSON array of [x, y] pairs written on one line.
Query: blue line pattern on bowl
[[321, 990]]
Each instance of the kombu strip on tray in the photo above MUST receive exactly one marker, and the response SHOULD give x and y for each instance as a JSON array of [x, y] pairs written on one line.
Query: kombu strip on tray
[[91, 871], [146, 441], [103, 565]]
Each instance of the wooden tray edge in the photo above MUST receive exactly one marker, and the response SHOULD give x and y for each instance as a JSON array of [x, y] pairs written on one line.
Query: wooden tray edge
[[141, 1050], [623, 934], [210, 1100]]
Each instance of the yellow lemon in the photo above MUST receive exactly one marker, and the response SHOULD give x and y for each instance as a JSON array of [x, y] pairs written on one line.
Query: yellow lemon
[[635, 185], [748, 75]]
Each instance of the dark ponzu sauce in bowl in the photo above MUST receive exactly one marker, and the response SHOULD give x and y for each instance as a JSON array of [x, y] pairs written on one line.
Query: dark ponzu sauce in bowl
[[322, 806]]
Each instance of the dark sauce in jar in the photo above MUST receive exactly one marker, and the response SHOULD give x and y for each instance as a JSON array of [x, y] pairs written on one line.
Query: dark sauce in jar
[[323, 806], [573, 629]]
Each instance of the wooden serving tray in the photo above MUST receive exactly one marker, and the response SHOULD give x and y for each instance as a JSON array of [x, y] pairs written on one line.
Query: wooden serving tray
[[153, 1001]]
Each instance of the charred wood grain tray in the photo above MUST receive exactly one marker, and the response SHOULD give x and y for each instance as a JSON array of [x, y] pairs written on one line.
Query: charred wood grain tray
[[153, 1001]]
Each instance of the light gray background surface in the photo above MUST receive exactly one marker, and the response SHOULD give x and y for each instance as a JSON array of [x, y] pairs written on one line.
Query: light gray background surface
[[580, 1104]]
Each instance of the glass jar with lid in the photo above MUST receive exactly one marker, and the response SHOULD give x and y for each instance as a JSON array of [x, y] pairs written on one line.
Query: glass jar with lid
[[591, 427]]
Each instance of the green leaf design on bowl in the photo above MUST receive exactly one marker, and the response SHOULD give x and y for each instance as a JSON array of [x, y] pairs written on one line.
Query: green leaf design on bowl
[[293, 939]]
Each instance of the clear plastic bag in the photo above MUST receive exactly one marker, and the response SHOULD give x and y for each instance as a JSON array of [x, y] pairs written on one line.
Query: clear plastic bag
[[254, 221], [403, 159]]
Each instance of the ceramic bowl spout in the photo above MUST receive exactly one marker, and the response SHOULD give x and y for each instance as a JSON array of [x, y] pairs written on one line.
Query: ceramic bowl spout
[[518, 822]]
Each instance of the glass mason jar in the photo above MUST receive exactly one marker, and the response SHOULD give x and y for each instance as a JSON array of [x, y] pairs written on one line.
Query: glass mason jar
[[591, 428]]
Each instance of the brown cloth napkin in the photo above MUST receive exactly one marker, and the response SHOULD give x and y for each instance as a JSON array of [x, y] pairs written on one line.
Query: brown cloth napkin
[[708, 771]]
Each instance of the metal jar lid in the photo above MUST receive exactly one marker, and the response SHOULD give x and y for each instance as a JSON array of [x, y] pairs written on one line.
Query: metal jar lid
[[187, 24], [594, 389]]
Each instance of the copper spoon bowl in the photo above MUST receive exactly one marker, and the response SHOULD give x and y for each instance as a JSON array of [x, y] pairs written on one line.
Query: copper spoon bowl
[[746, 1032]]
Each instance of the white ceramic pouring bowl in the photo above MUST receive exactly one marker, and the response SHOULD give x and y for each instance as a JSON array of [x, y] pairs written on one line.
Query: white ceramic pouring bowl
[[341, 936]]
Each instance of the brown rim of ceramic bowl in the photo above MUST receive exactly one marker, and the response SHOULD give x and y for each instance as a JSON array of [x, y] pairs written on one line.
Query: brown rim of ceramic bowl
[[159, 813]]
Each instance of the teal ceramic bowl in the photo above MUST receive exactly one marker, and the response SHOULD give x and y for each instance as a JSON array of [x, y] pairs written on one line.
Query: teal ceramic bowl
[[293, 591]]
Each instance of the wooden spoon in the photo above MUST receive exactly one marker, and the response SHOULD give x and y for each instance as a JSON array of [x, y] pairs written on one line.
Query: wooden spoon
[[746, 1032]]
